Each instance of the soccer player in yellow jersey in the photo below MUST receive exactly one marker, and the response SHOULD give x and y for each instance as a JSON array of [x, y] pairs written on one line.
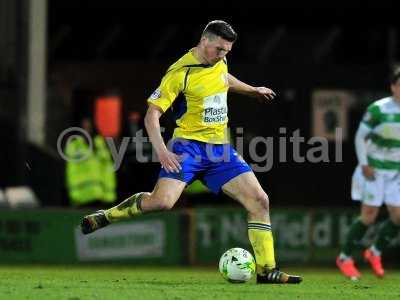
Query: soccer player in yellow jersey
[[195, 88]]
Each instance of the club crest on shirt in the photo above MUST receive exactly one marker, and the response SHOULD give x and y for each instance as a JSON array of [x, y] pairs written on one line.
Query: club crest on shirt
[[156, 94]]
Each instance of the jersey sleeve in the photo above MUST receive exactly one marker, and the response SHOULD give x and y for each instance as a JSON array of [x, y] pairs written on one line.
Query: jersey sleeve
[[361, 145], [371, 116], [170, 87]]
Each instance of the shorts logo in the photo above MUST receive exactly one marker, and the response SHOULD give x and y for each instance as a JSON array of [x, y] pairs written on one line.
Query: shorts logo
[[156, 94]]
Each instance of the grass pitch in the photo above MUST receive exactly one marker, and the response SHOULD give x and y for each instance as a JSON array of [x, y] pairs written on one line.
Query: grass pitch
[[130, 282]]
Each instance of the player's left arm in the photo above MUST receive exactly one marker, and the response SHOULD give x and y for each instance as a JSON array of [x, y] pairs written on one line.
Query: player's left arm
[[260, 92]]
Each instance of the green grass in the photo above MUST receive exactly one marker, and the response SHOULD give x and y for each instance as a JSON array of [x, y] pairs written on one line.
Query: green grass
[[130, 282]]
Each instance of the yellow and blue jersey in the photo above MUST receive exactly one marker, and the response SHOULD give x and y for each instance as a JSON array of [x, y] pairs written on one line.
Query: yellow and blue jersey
[[197, 95]]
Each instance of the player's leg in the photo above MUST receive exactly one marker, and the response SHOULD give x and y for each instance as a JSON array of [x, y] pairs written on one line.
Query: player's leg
[[390, 228], [372, 199], [356, 232], [387, 232], [165, 194], [360, 224], [358, 229], [246, 189], [163, 197]]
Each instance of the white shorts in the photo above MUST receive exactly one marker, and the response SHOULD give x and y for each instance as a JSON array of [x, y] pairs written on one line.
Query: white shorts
[[384, 189]]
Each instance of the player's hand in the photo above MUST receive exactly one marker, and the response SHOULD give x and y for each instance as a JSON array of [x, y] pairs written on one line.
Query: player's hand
[[368, 172], [264, 94], [169, 161]]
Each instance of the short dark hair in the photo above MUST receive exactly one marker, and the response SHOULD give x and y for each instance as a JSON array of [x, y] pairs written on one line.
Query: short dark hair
[[221, 29], [395, 75]]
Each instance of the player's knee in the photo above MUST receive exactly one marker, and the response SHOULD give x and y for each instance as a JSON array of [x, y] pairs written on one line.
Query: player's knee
[[262, 201], [394, 215], [395, 219], [165, 205], [368, 218], [368, 221], [369, 215], [161, 203]]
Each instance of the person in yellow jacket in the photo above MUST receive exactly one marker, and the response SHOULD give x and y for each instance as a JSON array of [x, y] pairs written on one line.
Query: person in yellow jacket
[[90, 176]]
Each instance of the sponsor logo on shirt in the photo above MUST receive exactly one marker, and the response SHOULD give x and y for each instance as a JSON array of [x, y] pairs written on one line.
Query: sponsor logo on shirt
[[215, 109]]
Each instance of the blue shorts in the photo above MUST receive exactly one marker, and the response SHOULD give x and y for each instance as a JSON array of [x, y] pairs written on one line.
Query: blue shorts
[[213, 164]]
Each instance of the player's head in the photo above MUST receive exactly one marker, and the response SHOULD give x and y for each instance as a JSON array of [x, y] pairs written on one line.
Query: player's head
[[395, 83], [217, 40]]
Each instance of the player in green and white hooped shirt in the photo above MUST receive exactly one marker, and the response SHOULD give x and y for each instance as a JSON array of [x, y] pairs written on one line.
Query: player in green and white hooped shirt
[[376, 180]]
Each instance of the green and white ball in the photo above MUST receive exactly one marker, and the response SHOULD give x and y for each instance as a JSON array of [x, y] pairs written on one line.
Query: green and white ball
[[237, 265]]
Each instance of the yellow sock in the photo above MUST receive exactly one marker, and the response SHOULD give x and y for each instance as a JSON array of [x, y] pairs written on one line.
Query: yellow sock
[[126, 209], [262, 241]]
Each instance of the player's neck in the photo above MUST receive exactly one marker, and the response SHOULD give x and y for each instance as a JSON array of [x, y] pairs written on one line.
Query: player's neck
[[197, 53]]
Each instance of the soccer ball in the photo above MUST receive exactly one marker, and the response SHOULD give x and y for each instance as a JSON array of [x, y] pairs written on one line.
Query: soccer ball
[[237, 265]]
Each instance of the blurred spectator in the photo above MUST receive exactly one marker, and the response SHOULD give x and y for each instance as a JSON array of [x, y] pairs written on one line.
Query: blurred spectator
[[90, 176]]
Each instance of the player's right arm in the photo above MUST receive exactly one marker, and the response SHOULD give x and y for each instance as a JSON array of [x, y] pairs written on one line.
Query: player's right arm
[[369, 121], [168, 160], [162, 98], [361, 150]]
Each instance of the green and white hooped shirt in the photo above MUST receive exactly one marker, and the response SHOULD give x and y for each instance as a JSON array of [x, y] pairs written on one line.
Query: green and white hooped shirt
[[383, 120]]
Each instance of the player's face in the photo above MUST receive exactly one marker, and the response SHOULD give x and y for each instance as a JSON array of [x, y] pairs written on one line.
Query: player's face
[[216, 49], [396, 89]]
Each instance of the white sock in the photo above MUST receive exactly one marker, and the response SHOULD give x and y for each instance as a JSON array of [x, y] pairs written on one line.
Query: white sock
[[375, 250], [343, 256]]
